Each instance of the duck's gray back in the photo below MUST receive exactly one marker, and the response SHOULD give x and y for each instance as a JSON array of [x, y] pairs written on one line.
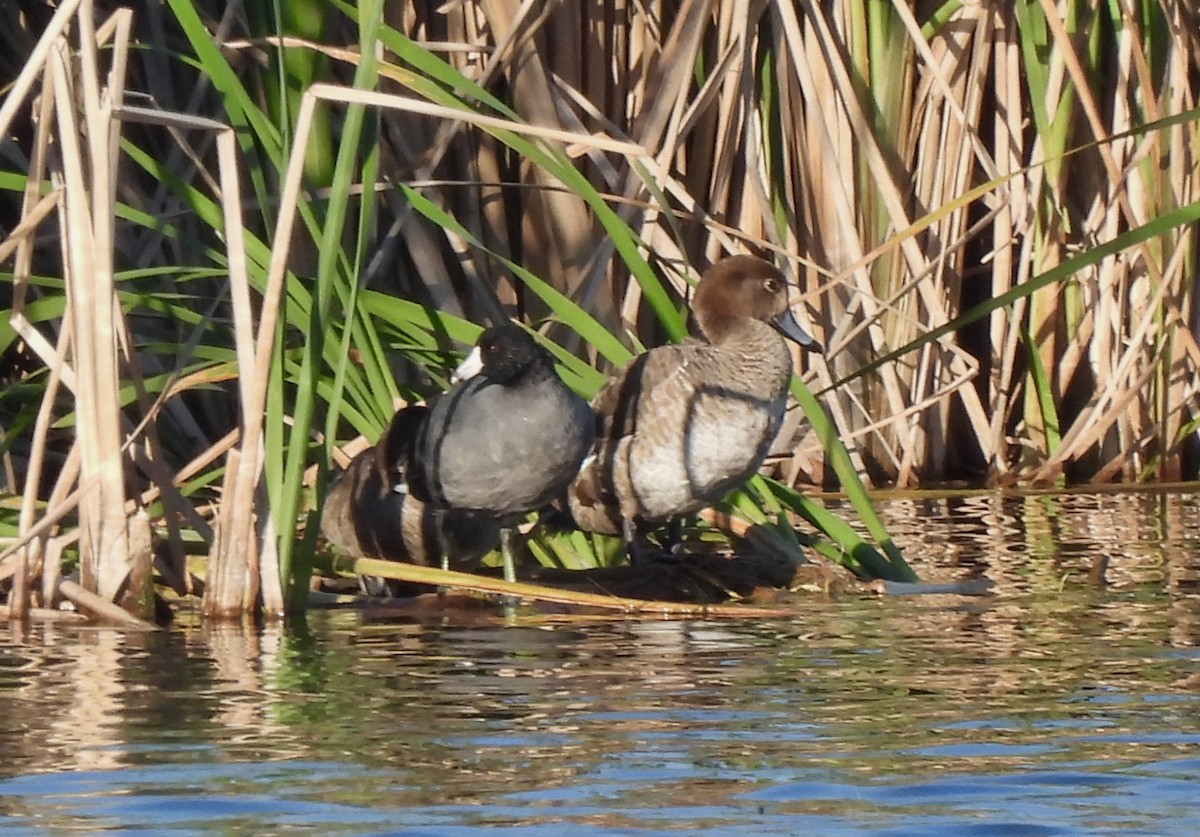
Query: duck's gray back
[[505, 450]]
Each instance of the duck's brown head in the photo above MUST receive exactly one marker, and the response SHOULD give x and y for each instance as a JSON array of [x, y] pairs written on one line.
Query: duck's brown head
[[739, 288]]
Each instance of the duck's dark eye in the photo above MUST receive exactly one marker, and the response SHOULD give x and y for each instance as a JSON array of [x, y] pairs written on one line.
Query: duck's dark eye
[[771, 284]]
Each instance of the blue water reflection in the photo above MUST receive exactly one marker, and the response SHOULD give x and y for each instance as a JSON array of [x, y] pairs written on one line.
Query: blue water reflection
[[1050, 707]]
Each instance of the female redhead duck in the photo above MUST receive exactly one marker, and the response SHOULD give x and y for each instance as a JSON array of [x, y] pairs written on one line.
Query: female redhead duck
[[682, 425]]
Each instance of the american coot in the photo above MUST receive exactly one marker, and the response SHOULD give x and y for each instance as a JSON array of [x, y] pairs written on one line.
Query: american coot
[[369, 511], [506, 439], [680, 426]]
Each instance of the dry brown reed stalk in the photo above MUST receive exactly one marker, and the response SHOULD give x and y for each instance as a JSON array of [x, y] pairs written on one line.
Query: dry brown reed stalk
[[938, 158], [1132, 318], [863, 186], [115, 545], [240, 569], [55, 91]]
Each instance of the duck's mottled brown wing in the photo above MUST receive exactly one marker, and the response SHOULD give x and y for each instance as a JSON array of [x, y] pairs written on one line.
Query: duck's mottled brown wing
[[393, 452], [619, 405], [362, 514], [624, 406]]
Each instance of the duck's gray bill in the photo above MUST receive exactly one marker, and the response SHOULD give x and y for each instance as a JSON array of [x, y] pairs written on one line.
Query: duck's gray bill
[[786, 324]]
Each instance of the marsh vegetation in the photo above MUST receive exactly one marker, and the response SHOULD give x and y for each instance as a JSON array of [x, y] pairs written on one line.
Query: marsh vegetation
[[238, 235]]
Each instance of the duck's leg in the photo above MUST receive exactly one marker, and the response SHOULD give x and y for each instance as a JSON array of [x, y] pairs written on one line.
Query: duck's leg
[[673, 542], [629, 533]]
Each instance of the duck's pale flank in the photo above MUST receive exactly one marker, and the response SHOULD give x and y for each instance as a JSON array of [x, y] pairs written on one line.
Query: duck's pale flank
[[682, 425], [506, 439]]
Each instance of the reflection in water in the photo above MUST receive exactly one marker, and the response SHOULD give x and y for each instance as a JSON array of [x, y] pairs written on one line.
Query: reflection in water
[[1053, 706], [88, 727]]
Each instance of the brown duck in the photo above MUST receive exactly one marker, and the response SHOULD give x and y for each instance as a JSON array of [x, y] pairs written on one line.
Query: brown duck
[[369, 512], [682, 425]]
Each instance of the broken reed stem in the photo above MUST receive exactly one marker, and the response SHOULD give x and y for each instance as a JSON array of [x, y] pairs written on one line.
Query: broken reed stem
[[31, 218], [114, 557], [352, 95], [90, 296], [42, 614], [32, 214], [231, 590], [101, 607]]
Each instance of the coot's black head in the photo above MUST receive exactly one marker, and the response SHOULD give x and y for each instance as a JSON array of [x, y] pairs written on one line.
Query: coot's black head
[[505, 355]]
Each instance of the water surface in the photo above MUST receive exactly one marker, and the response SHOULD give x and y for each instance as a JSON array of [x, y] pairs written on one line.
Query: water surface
[[1052, 706]]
